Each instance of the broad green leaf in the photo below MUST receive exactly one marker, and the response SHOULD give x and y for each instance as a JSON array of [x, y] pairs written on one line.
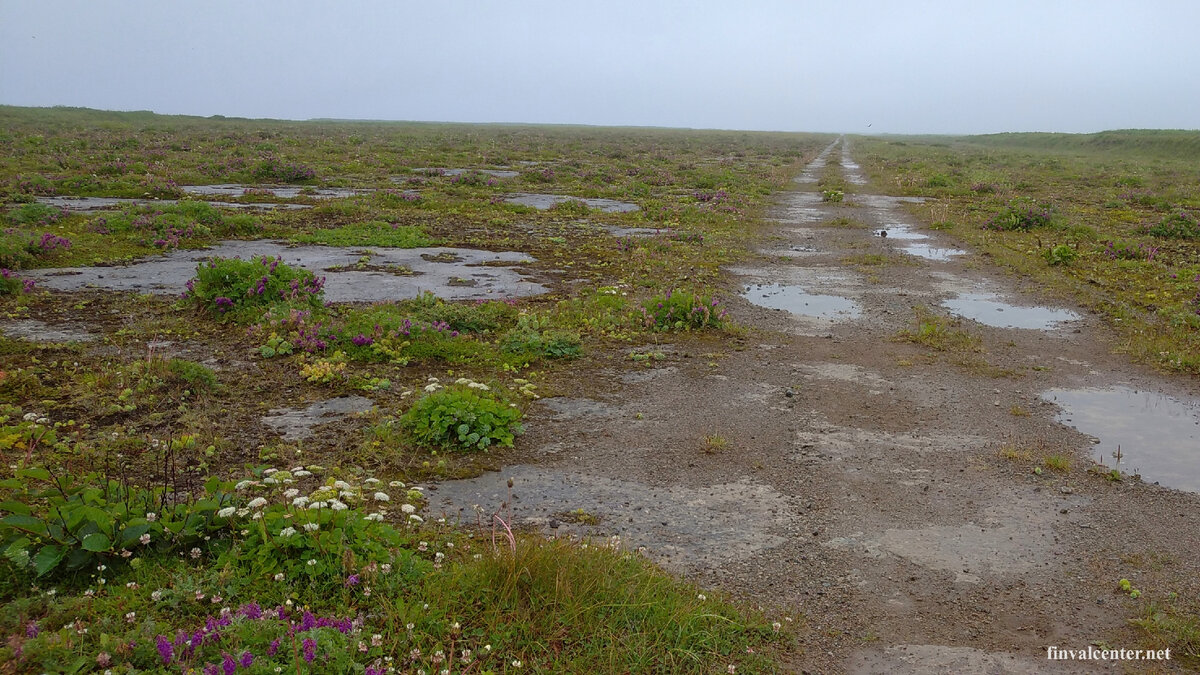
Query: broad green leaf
[[36, 473], [15, 507], [25, 523], [47, 559], [97, 542]]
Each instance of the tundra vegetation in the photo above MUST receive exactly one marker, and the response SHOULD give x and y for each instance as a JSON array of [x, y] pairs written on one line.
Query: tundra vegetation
[[150, 521]]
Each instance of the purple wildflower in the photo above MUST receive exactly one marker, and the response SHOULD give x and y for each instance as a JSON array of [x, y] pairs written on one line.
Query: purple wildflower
[[165, 649], [32, 630], [228, 665], [273, 647], [246, 660], [310, 649], [351, 580], [251, 611]]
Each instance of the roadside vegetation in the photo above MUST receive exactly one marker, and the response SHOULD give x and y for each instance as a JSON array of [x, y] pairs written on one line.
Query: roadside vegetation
[[150, 521], [1111, 220]]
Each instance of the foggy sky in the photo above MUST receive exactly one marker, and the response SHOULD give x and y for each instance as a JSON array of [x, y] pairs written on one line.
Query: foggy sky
[[837, 65]]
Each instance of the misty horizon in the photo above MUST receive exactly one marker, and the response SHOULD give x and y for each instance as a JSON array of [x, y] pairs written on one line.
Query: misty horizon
[[864, 67]]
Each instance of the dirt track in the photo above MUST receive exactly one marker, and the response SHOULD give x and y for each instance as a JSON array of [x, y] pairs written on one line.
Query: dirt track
[[825, 470]]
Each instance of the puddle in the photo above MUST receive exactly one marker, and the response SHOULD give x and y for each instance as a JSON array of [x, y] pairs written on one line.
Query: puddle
[[295, 424], [498, 173], [545, 201], [36, 331], [851, 169], [474, 274], [883, 201], [281, 191], [798, 207], [1159, 436], [796, 300], [684, 528], [930, 252], [987, 309], [110, 203]]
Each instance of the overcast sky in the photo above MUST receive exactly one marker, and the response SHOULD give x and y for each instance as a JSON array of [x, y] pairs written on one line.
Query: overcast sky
[[853, 66]]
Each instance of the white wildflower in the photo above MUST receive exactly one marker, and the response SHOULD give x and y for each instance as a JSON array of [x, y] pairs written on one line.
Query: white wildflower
[[287, 532], [382, 497], [337, 506], [480, 386], [311, 527], [257, 503], [416, 519], [341, 485], [408, 509], [242, 485], [227, 512], [300, 501], [374, 516]]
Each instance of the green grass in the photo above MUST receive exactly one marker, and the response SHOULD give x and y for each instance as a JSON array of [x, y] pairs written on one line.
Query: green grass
[[373, 233], [1115, 198]]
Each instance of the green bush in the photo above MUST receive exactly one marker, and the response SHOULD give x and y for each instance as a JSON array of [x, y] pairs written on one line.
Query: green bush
[[531, 337], [466, 416], [243, 289], [195, 374], [832, 195], [1023, 214], [680, 310], [1182, 225], [36, 215], [1060, 255]]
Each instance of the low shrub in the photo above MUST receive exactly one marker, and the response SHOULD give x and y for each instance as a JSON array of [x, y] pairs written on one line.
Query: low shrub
[[1181, 225], [681, 310], [243, 289], [464, 417], [1021, 214]]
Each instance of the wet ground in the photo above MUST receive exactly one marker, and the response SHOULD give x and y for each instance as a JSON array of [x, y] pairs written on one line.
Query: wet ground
[[351, 274], [110, 203], [882, 493], [546, 201]]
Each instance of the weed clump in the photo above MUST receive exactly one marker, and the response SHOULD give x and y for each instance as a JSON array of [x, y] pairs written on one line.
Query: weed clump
[[681, 310], [1182, 225], [1021, 214], [243, 289], [464, 417]]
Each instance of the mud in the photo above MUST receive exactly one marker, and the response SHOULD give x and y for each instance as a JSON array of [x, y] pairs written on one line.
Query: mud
[[684, 528], [281, 191], [454, 274], [112, 203], [497, 173], [37, 331], [295, 424], [546, 201]]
